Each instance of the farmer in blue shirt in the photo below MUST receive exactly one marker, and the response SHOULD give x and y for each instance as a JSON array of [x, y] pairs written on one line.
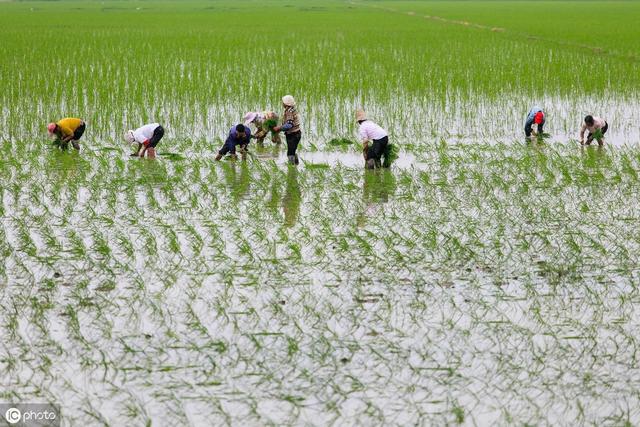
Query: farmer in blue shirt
[[239, 135], [535, 116]]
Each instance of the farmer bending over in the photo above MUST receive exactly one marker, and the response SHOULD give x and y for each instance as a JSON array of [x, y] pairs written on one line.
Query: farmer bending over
[[371, 132], [264, 123], [147, 137], [535, 116], [239, 135], [291, 127], [67, 130], [597, 127]]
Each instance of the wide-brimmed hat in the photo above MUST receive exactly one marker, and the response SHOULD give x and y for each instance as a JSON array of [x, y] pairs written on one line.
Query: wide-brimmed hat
[[288, 101], [249, 117], [361, 115]]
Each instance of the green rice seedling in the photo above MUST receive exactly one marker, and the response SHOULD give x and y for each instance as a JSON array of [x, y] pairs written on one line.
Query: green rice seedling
[[472, 282]]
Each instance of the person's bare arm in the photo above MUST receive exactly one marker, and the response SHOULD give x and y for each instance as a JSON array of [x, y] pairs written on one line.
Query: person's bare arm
[[582, 130]]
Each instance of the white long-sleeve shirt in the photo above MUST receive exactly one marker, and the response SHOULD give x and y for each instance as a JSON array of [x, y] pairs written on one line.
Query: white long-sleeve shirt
[[598, 123], [369, 131], [145, 132]]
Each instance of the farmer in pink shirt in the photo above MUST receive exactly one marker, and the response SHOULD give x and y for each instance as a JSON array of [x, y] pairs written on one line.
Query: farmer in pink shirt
[[374, 140], [597, 127]]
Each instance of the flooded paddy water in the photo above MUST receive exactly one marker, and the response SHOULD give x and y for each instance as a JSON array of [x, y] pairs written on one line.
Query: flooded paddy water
[[481, 280]]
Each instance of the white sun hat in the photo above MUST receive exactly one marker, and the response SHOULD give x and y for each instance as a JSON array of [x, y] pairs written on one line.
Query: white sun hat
[[128, 136], [288, 101]]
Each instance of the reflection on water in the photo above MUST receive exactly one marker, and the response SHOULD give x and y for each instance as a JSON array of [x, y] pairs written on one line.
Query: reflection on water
[[292, 198], [351, 159], [236, 181], [377, 186]]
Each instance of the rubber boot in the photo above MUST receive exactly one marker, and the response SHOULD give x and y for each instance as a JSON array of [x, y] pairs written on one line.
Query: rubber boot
[[297, 160], [76, 145], [292, 159]]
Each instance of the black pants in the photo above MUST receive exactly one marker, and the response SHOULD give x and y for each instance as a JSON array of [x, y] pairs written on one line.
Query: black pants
[[604, 130], [376, 150], [528, 126], [293, 139], [158, 133], [79, 131]]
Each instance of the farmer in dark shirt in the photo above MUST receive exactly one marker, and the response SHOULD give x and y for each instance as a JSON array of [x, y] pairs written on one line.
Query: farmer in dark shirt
[[239, 135]]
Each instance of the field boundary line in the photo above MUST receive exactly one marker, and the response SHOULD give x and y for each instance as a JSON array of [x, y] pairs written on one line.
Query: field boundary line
[[468, 24]]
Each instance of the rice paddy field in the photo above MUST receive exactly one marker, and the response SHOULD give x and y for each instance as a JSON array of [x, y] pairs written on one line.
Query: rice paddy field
[[481, 280]]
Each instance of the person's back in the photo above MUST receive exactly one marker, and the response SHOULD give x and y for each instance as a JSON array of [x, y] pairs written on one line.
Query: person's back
[[371, 131], [239, 138], [68, 125], [145, 132]]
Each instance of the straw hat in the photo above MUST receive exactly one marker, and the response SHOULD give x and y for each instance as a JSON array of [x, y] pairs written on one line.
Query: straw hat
[[288, 101], [360, 115]]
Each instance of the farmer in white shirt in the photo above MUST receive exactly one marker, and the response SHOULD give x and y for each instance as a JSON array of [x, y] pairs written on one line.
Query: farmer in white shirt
[[597, 127], [147, 137], [374, 140]]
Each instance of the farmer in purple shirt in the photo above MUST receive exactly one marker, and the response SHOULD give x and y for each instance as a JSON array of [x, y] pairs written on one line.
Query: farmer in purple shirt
[[239, 135]]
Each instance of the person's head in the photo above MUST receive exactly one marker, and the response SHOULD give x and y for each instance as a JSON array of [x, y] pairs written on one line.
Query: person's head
[[52, 128], [128, 136], [240, 131], [361, 116], [538, 118], [589, 120], [288, 101]]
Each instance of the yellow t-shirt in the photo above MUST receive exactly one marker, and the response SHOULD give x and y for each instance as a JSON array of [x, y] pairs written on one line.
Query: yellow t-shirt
[[69, 125]]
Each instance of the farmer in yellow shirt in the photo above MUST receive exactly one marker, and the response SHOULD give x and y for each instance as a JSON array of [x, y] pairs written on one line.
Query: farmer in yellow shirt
[[65, 130]]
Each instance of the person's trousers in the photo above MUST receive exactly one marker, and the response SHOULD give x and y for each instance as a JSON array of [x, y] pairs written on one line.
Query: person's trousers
[[528, 126], [158, 133], [293, 139], [376, 150]]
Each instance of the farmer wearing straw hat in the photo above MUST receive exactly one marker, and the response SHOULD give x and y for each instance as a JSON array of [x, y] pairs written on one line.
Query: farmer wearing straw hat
[[597, 127], [535, 116], [239, 135], [67, 130], [264, 123], [291, 127], [371, 132], [147, 137]]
